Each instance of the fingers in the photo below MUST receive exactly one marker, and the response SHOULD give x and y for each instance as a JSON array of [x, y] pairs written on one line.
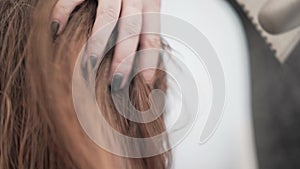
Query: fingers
[[61, 14], [106, 19], [149, 57], [129, 29], [150, 43], [128, 39]]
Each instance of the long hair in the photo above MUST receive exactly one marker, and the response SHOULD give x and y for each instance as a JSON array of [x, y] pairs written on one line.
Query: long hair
[[38, 123]]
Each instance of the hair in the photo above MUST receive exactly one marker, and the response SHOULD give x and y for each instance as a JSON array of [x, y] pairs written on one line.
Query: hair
[[38, 123]]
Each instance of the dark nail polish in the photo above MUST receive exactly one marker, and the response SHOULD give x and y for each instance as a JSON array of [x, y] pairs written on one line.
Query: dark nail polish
[[84, 70], [116, 82], [89, 67], [54, 28], [93, 61]]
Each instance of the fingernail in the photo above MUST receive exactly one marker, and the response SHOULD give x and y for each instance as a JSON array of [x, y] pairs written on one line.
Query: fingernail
[[116, 82], [93, 61], [89, 67], [54, 28]]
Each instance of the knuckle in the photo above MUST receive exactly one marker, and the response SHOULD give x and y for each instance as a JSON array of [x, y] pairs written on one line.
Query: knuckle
[[152, 3], [151, 41], [132, 26], [63, 10], [95, 46], [122, 64], [98, 42], [117, 61], [120, 67], [135, 4], [156, 2], [109, 13], [65, 7]]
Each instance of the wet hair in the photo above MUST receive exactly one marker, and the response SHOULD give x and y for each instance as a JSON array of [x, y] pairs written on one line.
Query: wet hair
[[38, 124]]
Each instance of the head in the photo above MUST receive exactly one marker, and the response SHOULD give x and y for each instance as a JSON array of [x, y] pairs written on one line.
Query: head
[[38, 124]]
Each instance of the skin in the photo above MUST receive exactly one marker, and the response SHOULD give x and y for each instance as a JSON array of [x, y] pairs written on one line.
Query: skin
[[109, 11]]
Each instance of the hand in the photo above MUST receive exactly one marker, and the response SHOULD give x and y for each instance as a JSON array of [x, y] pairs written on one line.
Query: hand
[[108, 11]]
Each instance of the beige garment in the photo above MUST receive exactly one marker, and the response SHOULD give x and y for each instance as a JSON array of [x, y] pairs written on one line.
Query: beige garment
[[278, 23]]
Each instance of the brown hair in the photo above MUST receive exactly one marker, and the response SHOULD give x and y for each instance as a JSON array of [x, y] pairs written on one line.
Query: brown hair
[[38, 124]]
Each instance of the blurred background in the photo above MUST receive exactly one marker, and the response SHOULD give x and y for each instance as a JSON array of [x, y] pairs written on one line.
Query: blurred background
[[275, 101]]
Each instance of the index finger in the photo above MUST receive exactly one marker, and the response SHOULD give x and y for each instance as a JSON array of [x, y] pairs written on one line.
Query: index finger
[[106, 19]]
